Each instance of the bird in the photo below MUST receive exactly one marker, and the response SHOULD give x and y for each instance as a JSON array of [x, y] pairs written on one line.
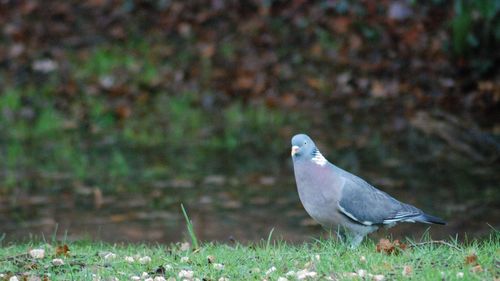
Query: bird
[[343, 202]]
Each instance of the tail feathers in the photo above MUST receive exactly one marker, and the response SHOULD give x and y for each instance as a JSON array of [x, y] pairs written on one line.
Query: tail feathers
[[425, 218]]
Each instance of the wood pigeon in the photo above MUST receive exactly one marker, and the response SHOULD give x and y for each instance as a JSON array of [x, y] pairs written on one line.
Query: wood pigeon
[[343, 202]]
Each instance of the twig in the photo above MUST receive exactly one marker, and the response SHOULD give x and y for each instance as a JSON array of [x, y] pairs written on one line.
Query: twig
[[436, 242]]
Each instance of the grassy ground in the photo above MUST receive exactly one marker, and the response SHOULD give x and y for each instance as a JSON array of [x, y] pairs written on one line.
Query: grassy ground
[[319, 260]]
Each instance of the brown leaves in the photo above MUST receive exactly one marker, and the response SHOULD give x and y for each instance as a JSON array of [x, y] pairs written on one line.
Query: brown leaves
[[387, 247], [340, 25], [476, 269], [471, 259], [62, 250]]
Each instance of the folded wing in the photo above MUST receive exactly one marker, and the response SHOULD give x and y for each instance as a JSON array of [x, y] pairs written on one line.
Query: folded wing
[[367, 205]]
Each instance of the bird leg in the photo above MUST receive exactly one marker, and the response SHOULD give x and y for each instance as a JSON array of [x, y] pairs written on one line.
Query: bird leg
[[355, 241]]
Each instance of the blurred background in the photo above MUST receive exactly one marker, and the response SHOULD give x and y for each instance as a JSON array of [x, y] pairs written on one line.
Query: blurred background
[[114, 112]]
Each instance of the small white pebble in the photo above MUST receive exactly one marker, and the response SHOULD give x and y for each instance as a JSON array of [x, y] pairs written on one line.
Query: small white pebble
[[184, 259], [351, 274], [185, 246], [148, 279], [171, 279], [57, 262], [210, 259], [186, 274], [460, 275], [159, 278], [135, 278], [317, 257], [218, 266], [282, 279], [37, 253], [407, 270], [167, 267], [144, 275], [223, 279], [13, 278], [290, 273], [109, 256], [255, 270], [129, 259], [362, 259], [96, 277], [361, 273], [378, 277], [144, 260], [303, 274], [270, 270]]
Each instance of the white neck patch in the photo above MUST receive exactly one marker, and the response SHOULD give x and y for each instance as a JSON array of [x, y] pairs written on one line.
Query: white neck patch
[[319, 159]]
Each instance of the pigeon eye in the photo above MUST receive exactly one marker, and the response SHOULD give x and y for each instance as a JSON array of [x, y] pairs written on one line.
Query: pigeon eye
[[305, 142]]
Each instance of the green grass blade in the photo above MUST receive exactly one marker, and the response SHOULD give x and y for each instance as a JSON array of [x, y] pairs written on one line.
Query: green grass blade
[[268, 244], [190, 229]]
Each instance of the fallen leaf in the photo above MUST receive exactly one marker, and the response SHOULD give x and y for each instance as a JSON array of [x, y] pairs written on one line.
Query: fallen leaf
[[388, 247], [384, 245], [471, 259], [476, 269], [340, 24], [400, 245], [62, 250], [315, 83]]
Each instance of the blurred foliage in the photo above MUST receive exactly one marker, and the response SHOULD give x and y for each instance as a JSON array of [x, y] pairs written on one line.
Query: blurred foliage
[[91, 92], [476, 31], [173, 137]]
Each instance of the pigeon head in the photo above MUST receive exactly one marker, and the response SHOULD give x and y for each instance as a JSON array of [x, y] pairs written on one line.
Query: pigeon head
[[303, 147]]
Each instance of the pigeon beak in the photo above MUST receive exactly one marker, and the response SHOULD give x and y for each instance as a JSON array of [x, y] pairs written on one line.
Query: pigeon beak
[[295, 149]]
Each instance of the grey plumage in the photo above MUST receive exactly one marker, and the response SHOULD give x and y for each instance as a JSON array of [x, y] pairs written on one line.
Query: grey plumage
[[343, 202]]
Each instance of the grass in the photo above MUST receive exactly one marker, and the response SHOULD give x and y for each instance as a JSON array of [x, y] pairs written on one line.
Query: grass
[[321, 259], [190, 229]]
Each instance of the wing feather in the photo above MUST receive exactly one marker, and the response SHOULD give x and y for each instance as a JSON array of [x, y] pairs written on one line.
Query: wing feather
[[367, 205]]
